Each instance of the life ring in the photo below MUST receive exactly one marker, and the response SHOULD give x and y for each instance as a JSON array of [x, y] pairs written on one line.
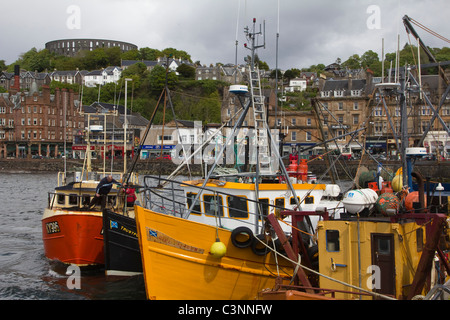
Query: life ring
[[258, 248], [238, 234]]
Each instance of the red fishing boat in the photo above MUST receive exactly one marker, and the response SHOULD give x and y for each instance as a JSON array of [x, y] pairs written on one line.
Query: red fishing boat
[[71, 231], [72, 228]]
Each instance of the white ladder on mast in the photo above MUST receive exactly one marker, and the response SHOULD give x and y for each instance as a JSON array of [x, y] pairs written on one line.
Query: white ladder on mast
[[259, 115]]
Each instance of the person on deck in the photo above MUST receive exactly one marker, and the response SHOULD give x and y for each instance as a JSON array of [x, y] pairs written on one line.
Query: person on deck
[[102, 190], [130, 194]]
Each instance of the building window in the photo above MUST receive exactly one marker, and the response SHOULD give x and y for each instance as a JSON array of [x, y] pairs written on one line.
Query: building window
[[425, 110], [355, 118], [166, 138], [341, 106], [308, 121], [308, 136], [341, 136], [294, 136], [377, 111], [355, 106]]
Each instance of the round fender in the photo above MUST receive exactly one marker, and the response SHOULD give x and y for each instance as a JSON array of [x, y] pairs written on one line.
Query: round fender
[[258, 248], [241, 237]]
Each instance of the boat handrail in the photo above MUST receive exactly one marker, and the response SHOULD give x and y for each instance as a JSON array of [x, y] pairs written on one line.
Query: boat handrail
[[173, 200], [52, 197]]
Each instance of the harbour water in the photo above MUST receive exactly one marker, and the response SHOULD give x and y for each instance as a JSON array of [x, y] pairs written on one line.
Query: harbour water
[[25, 272]]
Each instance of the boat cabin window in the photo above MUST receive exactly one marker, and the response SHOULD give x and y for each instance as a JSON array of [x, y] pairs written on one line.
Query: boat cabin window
[[213, 205], [332, 240], [309, 200], [73, 199], [279, 203], [419, 239], [264, 205], [61, 199], [190, 197], [384, 246], [86, 200], [237, 207], [292, 200]]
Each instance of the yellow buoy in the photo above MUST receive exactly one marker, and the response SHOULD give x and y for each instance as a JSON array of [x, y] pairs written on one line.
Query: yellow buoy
[[397, 183], [218, 249]]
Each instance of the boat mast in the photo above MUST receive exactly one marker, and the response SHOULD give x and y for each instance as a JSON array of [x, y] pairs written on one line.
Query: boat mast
[[125, 127]]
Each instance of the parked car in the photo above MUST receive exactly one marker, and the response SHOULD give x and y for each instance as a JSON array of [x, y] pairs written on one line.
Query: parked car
[[164, 157]]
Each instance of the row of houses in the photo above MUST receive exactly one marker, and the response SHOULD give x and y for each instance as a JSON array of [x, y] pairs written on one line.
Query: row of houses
[[37, 123], [83, 77], [92, 78], [229, 73]]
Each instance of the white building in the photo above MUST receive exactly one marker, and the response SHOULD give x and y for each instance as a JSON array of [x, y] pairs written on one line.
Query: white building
[[102, 77], [296, 84]]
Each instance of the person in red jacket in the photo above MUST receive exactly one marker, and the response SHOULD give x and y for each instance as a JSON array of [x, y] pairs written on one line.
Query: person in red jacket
[[130, 195]]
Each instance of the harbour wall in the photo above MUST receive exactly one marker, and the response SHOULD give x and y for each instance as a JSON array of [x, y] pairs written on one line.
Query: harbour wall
[[344, 170]]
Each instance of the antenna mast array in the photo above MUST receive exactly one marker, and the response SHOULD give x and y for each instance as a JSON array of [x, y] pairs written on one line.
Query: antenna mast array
[[251, 36]]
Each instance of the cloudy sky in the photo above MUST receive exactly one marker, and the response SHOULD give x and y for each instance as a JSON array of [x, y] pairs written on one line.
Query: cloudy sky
[[310, 31]]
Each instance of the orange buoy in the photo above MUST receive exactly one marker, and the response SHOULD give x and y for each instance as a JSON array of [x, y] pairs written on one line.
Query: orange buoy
[[412, 201], [302, 170]]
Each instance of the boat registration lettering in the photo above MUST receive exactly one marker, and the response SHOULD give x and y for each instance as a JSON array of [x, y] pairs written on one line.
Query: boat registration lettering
[[159, 237], [52, 227]]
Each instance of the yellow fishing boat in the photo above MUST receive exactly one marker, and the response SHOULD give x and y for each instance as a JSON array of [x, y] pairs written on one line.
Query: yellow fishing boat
[[181, 261], [378, 255]]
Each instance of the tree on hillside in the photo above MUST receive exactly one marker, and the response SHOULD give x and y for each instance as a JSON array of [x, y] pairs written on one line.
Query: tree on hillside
[[318, 69], [176, 54], [93, 60], [34, 60], [292, 73], [186, 71], [149, 54], [353, 62], [157, 79]]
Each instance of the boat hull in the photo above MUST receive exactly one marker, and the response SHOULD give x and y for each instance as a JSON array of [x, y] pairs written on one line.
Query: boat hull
[[73, 237], [122, 253], [178, 265]]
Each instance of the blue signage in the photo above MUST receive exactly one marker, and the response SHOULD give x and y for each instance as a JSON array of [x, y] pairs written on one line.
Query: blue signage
[[157, 147]]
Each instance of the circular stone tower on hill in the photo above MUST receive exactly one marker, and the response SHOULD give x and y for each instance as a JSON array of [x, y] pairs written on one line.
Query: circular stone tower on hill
[[70, 47]]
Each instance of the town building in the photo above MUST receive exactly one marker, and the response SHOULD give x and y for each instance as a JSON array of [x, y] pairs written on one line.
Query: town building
[[104, 132], [385, 115], [68, 76], [26, 79], [343, 108], [37, 123], [101, 77], [296, 85], [229, 73]]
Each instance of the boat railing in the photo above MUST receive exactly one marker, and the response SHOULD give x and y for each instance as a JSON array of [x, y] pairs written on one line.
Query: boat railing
[[171, 199], [75, 201], [65, 178]]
